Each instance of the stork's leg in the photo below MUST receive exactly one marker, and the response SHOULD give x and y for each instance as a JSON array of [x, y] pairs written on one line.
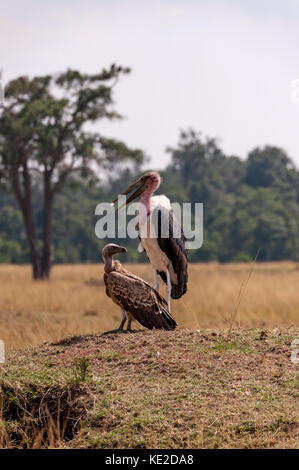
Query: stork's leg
[[168, 288], [156, 283], [120, 329]]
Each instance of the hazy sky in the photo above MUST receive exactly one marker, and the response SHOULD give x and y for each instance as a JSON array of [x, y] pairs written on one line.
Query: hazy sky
[[224, 67]]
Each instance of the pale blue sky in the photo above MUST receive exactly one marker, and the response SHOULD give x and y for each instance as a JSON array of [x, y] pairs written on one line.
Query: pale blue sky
[[221, 66]]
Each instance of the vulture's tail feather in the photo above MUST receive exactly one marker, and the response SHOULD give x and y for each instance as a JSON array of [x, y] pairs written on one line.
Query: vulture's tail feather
[[168, 321]]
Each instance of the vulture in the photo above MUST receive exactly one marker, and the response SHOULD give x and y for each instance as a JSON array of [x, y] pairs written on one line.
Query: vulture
[[135, 297]]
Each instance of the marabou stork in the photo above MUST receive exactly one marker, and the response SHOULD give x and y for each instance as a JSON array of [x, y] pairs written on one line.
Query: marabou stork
[[168, 255], [135, 297]]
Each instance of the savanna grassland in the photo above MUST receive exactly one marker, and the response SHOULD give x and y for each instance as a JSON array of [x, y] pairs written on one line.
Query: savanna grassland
[[223, 379], [74, 301], [153, 389]]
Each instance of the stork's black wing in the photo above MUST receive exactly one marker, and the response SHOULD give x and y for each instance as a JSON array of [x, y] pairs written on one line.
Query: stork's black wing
[[176, 251]]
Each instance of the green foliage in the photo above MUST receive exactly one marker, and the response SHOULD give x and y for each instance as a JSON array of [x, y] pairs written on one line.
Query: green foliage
[[43, 144], [81, 369], [248, 204]]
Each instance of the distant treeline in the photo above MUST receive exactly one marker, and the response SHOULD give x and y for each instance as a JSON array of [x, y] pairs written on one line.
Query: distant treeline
[[249, 205]]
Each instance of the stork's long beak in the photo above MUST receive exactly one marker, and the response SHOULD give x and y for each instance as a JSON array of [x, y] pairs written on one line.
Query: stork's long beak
[[139, 185]]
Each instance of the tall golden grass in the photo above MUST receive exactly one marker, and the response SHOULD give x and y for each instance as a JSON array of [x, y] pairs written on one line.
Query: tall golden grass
[[74, 301]]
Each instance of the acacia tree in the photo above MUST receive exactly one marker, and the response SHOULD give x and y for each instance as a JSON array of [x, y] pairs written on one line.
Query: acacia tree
[[43, 130]]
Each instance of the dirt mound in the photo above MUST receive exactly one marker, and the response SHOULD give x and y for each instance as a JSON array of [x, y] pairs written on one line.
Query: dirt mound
[[154, 389]]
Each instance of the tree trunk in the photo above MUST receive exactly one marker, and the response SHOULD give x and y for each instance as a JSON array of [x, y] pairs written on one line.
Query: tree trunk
[[47, 256], [25, 203], [33, 244], [41, 263]]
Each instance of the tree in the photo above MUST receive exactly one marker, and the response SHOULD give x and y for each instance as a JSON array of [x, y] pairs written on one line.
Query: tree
[[248, 204], [269, 166], [43, 131]]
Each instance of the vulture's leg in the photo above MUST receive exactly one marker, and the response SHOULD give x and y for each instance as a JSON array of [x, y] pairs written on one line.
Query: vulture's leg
[[129, 325], [123, 319], [156, 283], [121, 326], [129, 330], [168, 289], [120, 329]]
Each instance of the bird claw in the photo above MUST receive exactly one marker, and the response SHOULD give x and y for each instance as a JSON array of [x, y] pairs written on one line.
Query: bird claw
[[111, 332]]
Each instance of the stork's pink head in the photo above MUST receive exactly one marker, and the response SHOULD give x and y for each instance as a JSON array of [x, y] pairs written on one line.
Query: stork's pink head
[[147, 183], [152, 180]]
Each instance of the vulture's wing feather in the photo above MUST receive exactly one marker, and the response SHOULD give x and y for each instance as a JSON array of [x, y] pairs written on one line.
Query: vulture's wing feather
[[138, 298]]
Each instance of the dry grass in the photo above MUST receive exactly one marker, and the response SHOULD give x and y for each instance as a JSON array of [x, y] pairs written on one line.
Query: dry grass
[[154, 389], [74, 301]]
